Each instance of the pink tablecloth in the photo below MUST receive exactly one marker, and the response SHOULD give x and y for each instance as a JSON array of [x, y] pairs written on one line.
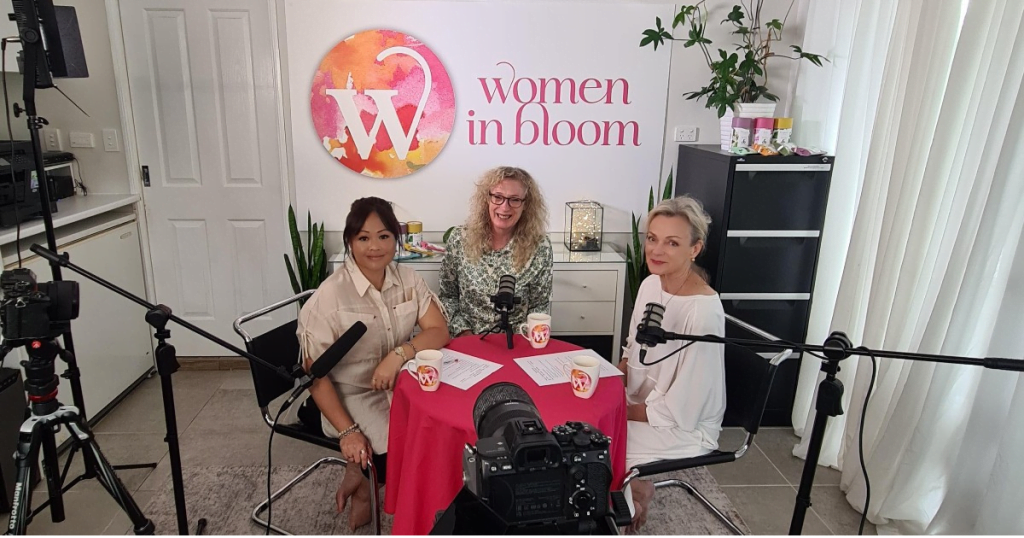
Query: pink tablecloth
[[429, 430]]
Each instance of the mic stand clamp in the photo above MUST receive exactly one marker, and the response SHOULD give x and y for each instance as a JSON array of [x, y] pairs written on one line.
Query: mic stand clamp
[[167, 364]]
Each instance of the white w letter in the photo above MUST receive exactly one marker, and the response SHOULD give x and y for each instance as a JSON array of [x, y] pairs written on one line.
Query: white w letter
[[386, 112]]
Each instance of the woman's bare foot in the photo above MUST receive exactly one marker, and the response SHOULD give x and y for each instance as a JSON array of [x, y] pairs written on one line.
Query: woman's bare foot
[[360, 514], [348, 487], [643, 492]]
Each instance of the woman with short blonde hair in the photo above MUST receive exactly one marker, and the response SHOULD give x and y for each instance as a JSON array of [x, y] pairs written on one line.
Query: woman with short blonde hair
[[503, 235], [676, 396]]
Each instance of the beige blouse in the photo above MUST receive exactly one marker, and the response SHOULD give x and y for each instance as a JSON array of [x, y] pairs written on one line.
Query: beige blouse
[[390, 316]]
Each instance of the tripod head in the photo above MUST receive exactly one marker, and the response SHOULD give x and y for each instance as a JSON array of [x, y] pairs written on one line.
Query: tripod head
[[41, 379]]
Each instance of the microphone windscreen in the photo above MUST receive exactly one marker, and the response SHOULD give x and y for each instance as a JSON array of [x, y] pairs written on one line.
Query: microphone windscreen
[[333, 355]]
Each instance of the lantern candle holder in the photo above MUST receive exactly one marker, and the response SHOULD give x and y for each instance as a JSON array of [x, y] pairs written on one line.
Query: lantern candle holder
[[583, 222]]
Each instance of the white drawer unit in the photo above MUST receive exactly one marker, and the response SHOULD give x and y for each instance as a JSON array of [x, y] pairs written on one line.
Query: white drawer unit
[[587, 295], [571, 317], [584, 286]]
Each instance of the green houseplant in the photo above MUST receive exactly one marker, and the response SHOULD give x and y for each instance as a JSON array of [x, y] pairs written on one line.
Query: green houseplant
[[311, 263], [636, 259], [741, 76]]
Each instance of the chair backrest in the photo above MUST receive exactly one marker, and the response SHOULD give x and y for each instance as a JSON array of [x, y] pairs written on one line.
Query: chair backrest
[[749, 374], [279, 347]]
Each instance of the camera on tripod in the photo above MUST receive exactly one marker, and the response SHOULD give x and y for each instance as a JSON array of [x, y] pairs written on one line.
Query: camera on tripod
[[33, 311], [521, 478]]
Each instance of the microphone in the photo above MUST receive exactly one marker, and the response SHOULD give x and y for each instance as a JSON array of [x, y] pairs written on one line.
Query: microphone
[[649, 333], [328, 360], [505, 299]]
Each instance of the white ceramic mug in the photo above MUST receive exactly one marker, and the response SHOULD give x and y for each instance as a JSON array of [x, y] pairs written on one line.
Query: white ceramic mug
[[584, 372], [426, 368], [537, 329]]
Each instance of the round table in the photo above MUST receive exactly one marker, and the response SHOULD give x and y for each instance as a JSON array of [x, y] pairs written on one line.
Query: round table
[[429, 430]]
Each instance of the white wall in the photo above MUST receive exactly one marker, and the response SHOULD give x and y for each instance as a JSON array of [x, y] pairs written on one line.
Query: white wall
[[103, 172], [438, 194], [687, 72]]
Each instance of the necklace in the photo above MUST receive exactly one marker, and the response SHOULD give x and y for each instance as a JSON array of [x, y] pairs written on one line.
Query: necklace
[[689, 272]]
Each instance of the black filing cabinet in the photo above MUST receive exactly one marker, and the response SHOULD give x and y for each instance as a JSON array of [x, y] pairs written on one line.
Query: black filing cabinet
[[762, 251]]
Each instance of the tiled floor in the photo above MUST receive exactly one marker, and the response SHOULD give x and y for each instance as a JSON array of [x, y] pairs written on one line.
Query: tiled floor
[[210, 403]]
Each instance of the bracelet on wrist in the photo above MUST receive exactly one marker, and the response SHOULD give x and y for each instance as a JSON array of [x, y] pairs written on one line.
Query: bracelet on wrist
[[349, 430]]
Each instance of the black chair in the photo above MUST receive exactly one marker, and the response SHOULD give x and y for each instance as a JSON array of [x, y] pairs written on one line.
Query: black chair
[[280, 347], [749, 373]]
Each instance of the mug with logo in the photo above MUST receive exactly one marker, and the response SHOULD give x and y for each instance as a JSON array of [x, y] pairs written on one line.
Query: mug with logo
[[584, 371], [426, 368], [537, 329]]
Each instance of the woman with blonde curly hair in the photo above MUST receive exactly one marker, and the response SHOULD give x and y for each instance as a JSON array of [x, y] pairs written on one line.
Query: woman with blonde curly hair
[[503, 235]]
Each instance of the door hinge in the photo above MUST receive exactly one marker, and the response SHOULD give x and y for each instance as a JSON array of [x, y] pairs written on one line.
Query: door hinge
[[145, 176]]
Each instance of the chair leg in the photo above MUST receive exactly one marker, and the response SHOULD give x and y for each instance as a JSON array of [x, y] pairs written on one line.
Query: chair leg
[[703, 500], [262, 507]]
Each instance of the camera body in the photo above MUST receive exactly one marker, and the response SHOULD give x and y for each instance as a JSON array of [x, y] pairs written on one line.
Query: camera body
[[33, 311], [529, 476]]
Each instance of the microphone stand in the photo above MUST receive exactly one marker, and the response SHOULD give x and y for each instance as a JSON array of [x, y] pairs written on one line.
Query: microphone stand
[[503, 325], [157, 316], [836, 348]]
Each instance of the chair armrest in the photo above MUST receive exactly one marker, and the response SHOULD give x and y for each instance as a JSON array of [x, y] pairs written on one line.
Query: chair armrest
[[777, 358], [667, 466], [266, 310]]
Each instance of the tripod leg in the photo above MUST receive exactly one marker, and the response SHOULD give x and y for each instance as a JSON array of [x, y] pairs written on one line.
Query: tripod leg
[[28, 452], [113, 484], [53, 479]]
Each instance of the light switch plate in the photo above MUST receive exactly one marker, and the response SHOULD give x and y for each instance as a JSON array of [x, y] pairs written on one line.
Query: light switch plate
[[110, 142], [51, 140], [82, 140]]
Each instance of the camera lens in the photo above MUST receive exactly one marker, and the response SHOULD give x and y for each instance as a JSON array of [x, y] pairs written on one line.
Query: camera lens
[[63, 299], [500, 404]]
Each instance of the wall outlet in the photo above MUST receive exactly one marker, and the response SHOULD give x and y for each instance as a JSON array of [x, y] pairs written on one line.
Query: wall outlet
[[110, 142], [82, 140], [686, 133], [51, 140]]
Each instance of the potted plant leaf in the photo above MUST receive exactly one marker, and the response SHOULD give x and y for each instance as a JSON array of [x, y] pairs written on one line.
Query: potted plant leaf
[[636, 258], [310, 262], [739, 79]]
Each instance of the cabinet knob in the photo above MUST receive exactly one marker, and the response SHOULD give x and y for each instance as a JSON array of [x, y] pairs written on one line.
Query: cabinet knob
[[583, 317], [584, 286]]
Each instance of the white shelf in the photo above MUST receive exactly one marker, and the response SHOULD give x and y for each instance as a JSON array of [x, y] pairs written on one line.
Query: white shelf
[[70, 210]]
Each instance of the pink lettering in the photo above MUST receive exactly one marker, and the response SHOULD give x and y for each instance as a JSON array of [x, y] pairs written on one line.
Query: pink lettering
[[597, 133], [572, 133], [622, 132], [585, 86], [557, 84]]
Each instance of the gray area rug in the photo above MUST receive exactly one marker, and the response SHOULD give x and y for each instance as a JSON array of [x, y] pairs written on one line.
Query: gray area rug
[[225, 496]]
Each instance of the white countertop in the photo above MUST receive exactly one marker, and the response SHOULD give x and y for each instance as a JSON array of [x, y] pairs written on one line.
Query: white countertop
[[69, 210]]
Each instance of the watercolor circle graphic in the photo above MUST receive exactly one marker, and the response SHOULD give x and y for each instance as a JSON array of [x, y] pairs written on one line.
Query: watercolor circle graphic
[[382, 104]]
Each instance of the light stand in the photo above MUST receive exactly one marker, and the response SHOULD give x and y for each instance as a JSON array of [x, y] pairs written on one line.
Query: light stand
[[157, 316], [837, 347]]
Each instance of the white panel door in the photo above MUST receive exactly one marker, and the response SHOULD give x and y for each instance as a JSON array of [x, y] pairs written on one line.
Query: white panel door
[[204, 93]]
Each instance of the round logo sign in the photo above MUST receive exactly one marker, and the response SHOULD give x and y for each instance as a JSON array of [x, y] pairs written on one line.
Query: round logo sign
[[382, 104]]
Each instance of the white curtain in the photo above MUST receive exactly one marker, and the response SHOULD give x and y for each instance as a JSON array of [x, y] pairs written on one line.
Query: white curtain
[[935, 141]]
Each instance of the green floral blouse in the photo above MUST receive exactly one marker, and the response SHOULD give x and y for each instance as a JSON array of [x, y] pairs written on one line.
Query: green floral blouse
[[466, 288]]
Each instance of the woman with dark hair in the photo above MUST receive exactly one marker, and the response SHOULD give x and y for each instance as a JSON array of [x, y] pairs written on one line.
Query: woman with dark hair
[[391, 300]]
